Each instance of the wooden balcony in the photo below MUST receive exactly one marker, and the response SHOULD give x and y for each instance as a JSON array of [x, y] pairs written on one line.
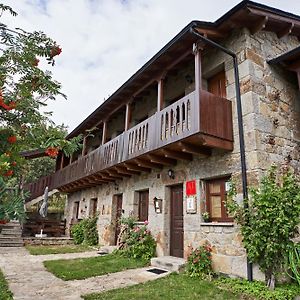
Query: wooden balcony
[[194, 124]]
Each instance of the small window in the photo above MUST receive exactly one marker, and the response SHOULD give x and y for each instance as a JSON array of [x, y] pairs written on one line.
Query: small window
[[143, 205], [76, 210], [215, 200]]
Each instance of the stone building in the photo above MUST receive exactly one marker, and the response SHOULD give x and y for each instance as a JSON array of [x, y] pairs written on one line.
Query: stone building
[[165, 144]]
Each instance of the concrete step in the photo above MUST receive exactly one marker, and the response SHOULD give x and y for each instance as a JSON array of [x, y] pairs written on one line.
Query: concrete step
[[170, 263], [12, 245], [107, 249]]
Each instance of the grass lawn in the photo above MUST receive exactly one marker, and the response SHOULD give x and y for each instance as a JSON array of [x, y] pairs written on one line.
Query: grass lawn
[[81, 268], [5, 293], [43, 250], [172, 287]]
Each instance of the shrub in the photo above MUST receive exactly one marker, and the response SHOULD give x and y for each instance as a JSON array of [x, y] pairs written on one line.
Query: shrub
[[257, 290], [136, 241], [199, 263], [270, 221], [85, 232]]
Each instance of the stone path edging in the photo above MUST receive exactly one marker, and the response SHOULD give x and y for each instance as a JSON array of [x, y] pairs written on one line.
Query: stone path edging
[[29, 280]]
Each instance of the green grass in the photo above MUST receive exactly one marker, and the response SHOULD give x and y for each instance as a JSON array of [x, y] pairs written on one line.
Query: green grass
[[44, 250], [5, 293], [81, 268], [172, 287]]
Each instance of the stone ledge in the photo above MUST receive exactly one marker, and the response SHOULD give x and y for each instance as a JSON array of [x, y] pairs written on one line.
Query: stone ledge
[[219, 224]]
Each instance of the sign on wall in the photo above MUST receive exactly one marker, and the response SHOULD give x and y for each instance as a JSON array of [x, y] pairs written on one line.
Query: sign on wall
[[191, 188]]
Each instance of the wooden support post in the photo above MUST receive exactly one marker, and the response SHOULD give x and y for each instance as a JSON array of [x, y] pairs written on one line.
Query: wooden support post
[[104, 132], [62, 161], [198, 72], [128, 116], [83, 146], [298, 77], [160, 94]]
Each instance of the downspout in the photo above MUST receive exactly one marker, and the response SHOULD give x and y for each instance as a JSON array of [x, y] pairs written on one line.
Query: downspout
[[240, 125]]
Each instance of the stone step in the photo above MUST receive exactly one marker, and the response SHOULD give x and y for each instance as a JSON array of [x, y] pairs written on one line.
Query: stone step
[[8, 230], [107, 249], [170, 263]]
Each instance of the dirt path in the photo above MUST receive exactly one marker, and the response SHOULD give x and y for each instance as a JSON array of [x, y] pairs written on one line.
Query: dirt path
[[28, 278]]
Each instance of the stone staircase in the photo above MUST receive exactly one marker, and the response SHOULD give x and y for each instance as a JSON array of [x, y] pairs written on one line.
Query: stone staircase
[[11, 235], [169, 263]]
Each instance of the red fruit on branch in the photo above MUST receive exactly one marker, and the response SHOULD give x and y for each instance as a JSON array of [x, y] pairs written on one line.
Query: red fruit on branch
[[8, 173], [14, 163], [55, 50], [52, 151], [12, 139], [35, 62]]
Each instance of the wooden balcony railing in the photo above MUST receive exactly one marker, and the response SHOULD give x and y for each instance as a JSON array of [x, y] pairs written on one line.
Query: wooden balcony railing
[[202, 113]]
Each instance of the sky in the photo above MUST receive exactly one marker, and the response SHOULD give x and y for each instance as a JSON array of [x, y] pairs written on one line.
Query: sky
[[104, 42]]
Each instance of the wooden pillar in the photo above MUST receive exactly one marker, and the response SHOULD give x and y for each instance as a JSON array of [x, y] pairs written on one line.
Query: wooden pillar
[[298, 77], [62, 161], [160, 94], [84, 146], [198, 72], [71, 158], [104, 132], [128, 116]]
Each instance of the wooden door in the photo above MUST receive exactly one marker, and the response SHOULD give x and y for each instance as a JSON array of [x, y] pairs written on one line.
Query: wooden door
[[76, 210], [118, 203], [176, 230], [216, 84], [143, 205]]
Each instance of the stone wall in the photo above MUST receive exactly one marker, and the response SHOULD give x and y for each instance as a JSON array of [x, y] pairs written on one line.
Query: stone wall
[[271, 114]]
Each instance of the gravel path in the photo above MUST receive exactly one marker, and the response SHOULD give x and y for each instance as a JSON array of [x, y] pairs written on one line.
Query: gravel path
[[28, 278]]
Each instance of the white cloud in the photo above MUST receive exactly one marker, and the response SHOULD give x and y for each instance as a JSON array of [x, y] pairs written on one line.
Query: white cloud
[[105, 41]]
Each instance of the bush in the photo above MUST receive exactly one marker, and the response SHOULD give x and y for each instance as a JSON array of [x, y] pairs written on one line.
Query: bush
[[85, 232], [258, 290], [136, 241], [199, 263]]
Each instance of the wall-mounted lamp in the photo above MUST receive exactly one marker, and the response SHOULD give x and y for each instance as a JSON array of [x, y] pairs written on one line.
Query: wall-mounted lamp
[[171, 173], [157, 205]]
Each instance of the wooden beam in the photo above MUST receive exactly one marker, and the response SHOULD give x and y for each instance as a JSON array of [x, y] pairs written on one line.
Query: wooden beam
[[198, 71], [147, 164], [83, 146], [212, 33], [295, 66], [134, 167], [177, 155], [127, 116], [113, 174], [260, 25], [62, 161], [189, 148], [214, 142], [123, 170], [104, 132], [162, 160], [160, 94], [286, 31]]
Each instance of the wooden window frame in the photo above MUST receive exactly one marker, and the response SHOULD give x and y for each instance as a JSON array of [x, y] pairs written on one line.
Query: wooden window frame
[[224, 215]]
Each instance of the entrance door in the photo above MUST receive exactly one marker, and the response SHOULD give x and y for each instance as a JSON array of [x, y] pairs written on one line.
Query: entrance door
[[118, 205], [176, 232], [143, 205], [216, 84]]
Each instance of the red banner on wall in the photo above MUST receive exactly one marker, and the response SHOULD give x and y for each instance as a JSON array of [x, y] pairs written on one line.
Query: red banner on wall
[[191, 188]]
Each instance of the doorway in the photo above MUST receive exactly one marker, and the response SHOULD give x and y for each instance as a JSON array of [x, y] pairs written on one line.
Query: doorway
[[118, 201], [176, 221]]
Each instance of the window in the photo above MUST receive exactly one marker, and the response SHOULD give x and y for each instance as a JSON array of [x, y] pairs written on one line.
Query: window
[[93, 207], [215, 200], [76, 210], [143, 205]]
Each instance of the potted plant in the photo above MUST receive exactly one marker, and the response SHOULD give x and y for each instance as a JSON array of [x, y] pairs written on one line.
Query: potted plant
[[205, 217]]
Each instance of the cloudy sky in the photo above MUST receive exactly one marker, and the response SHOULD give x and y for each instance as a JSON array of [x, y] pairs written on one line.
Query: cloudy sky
[[105, 41]]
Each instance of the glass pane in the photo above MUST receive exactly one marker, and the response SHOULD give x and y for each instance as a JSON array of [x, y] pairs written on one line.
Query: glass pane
[[214, 188], [215, 202]]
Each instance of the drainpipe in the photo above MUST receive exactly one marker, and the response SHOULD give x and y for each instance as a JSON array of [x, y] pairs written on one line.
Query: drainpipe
[[240, 125]]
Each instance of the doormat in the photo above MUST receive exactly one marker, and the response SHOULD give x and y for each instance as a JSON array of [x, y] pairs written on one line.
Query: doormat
[[102, 253], [157, 271]]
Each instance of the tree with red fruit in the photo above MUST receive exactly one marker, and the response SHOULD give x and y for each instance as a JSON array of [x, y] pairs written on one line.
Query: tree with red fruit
[[24, 89]]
